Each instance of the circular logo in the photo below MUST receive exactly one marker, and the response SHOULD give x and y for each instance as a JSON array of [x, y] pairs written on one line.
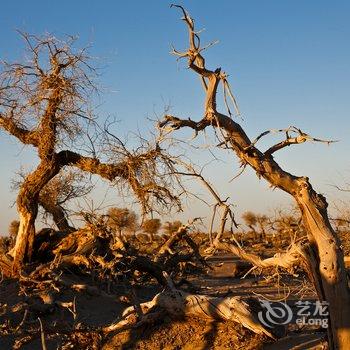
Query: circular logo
[[274, 313]]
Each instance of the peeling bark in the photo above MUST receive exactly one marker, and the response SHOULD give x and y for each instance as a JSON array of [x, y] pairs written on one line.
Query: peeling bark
[[331, 273], [181, 304], [27, 205]]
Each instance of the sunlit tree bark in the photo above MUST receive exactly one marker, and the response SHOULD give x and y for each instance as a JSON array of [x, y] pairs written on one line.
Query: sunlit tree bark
[[329, 275], [44, 103]]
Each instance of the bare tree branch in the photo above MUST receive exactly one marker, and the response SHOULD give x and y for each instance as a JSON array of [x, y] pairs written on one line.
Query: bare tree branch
[[329, 274]]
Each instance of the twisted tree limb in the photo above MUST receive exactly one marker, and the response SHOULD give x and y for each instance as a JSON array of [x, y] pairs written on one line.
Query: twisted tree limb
[[331, 272], [44, 104]]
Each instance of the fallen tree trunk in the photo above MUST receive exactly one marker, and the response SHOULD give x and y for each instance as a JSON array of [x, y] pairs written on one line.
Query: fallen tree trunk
[[177, 304]]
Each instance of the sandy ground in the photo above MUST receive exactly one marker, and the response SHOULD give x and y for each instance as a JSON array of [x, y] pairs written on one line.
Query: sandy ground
[[93, 310]]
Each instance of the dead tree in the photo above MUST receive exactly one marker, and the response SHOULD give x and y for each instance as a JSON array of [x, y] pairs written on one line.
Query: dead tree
[[44, 104], [180, 304], [177, 303], [329, 274]]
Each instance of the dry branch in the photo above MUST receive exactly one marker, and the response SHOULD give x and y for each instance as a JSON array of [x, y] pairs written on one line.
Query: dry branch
[[331, 272], [223, 204], [45, 103], [287, 260]]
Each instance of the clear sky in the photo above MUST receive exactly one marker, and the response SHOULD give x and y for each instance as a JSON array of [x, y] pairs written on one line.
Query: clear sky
[[288, 63]]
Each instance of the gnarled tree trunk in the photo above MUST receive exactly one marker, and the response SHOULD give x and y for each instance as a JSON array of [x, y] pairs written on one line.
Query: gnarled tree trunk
[[330, 277], [27, 205], [43, 103], [331, 273]]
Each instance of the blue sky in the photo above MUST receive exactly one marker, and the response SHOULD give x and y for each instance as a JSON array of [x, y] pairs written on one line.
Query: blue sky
[[288, 63]]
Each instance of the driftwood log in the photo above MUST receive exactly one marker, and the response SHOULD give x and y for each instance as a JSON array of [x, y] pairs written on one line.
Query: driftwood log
[[177, 304]]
